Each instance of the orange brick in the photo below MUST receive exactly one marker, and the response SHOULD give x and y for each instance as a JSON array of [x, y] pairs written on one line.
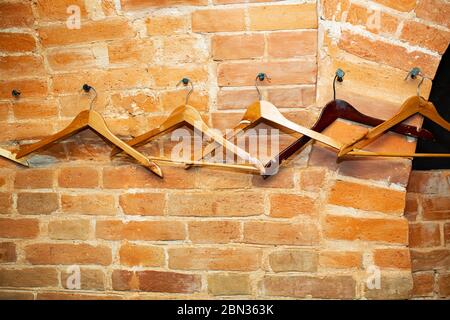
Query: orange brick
[[19, 228], [37, 203], [16, 14], [278, 233], [340, 259], [138, 255], [144, 204], [47, 253], [26, 130], [332, 286], [16, 295], [349, 194], [334, 9], [400, 5], [165, 76], [423, 284], [444, 285], [6, 203], [381, 230], [236, 47], [167, 25], [74, 296], [218, 20], [35, 109], [293, 261], [184, 48], [69, 229], [312, 179], [92, 204], [140, 230], [7, 252], [34, 179], [78, 177], [425, 36], [214, 231], [438, 259], [229, 284], [135, 103], [90, 279], [155, 281], [229, 259], [29, 277], [424, 235], [283, 17], [386, 53], [108, 29], [447, 233], [130, 5], [436, 207], [301, 43], [28, 88], [392, 258], [434, 10], [131, 51], [71, 59], [17, 42], [291, 205], [236, 99], [57, 10], [218, 205], [291, 72]]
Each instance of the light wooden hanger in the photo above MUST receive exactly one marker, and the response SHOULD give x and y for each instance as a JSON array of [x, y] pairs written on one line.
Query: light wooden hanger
[[186, 114], [412, 106], [264, 111], [8, 154], [93, 120]]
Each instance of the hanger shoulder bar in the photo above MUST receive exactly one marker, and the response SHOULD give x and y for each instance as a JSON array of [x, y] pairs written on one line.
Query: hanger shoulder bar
[[97, 123], [11, 156], [78, 124]]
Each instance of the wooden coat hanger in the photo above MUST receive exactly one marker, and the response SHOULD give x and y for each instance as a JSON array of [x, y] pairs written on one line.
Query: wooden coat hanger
[[186, 114], [8, 154], [340, 109], [413, 105], [264, 111], [93, 120]]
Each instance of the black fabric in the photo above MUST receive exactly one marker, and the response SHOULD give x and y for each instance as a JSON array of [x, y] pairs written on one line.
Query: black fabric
[[440, 96]]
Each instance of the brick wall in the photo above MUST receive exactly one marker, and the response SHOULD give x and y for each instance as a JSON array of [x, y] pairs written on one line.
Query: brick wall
[[314, 230], [428, 210]]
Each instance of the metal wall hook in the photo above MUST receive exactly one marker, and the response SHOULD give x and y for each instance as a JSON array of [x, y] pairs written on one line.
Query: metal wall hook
[[414, 73], [87, 88], [261, 77], [185, 82], [16, 94], [338, 77]]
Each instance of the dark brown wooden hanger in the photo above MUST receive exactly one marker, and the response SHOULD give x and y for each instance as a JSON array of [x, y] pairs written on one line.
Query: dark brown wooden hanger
[[340, 109]]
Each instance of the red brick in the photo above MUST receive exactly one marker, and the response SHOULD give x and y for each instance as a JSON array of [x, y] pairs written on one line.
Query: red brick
[[90, 279], [278, 233], [6, 203], [312, 179], [16, 14], [217, 20], [228, 259], [301, 43], [28, 88], [16, 295], [138, 255], [167, 25], [423, 284], [424, 235], [422, 35], [7, 252], [216, 179], [436, 208], [380, 230], [93, 204], [131, 5], [236, 47], [283, 179], [293, 261], [368, 198], [236, 99], [37, 203], [34, 179], [430, 260], [444, 285], [337, 287], [291, 205], [71, 59], [29, 277], [447, 233], [392, 258], [131, 51], [291, 72], [140, 230], [214, 231], [283, 17], [434, 10], [69, 229], [56, 10], [400, 5], [78, 177], [35, 109], [340, 259], [19, 228], [144, 204], [75, 296], [47, 253], [17, 42]]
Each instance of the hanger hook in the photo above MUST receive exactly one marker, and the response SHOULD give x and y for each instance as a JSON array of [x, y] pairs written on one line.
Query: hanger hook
[[414, 73], [185, 82], [16, 93], [338, 77], [261, 77], [87, 88]]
